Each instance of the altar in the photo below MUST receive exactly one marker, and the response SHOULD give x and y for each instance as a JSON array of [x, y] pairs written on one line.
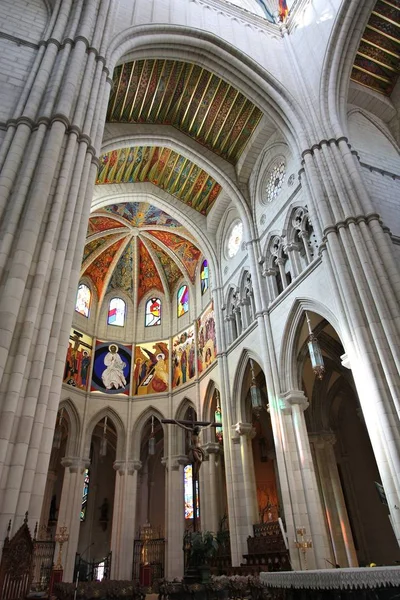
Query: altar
[[382, 582]]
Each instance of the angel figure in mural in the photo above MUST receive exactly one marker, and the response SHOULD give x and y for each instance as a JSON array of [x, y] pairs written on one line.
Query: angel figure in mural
[[113, 376]]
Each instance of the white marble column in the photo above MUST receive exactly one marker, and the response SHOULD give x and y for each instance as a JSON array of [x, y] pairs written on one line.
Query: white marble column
[[70, 508], [335, 507], [209, 496], [311, 515], [175, 517], [124, 518]]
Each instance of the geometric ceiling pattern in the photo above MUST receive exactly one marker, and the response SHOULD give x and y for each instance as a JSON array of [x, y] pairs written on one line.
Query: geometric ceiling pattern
[[377, 63], [163, 167], [141, 249], [187, 97]]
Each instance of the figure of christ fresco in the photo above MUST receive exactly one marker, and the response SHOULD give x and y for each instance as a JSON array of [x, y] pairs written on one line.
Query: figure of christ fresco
[[113, 375]]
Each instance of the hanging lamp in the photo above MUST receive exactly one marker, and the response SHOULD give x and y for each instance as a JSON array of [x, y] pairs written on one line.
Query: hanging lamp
[[314, 350], [103, 443], [255, 393], [152, 439]]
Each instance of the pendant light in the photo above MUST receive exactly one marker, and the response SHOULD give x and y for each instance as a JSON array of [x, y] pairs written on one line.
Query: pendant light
[[256, 401], [58, 432], [314, 350], [152, 439], [103, 443]]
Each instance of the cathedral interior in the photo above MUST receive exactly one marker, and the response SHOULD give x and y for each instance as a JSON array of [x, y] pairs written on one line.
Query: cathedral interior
[[199, 223]]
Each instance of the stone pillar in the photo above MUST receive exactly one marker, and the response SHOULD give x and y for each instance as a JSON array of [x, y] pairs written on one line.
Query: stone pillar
[[243, 480], [175, 521], [70, 508], [335, 507], [53, 138], [209, 498], [311, 517], [124, 518]]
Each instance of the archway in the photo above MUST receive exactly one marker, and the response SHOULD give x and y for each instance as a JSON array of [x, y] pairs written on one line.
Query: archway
[[93, 559], [348, 478]]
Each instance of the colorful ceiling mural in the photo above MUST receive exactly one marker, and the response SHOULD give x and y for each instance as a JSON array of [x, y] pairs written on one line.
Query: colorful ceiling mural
[[171, 270], [149, 278], [101, 265], [188, 97], [97, 224], [164, 168], [377, 63], [185, 250], [142, 214], [144, 249]]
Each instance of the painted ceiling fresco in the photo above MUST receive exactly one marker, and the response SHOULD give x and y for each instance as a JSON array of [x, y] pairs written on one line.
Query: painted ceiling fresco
[[185, 250], [188, 97], [97, 224], [377, 63], [142, 214], [164, 168], [149, 278], [171, 270], [108, 274]]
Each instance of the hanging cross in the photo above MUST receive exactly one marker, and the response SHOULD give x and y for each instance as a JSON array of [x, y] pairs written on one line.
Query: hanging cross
[[196, 453]]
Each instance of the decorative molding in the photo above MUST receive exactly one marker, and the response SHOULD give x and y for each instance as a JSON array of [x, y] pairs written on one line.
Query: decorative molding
[[19, 41]]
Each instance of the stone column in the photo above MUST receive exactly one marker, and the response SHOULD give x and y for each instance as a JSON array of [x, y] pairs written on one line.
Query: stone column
[[305, 479], [244, 484], [70, 508], [209, 498], [335, 507], [124, 518], [53, 139], [175, 521]]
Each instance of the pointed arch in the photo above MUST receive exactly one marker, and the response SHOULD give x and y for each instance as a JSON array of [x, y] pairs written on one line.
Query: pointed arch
[[116, 420], [74, 427], [288, 366], [239, 409], [137, 429], [183, 407], [208, 400]]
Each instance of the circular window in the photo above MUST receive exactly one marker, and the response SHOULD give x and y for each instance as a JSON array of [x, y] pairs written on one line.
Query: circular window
[[234, 239], [275, 180]]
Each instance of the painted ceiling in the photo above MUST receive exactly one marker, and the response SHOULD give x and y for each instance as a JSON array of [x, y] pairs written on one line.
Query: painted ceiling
[[137, 234], [377, 63], [188, 97], [164, 168]]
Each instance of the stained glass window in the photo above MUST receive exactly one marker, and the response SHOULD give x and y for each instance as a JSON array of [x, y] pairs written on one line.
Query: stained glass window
[[183, 300], [275, 180], [204, 277], [153, 312], [188, 490], [86, 482], [235, 239], [83, 297], [218, 419], [116, 312]]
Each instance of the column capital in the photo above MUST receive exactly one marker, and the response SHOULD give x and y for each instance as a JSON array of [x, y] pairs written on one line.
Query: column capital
[[75, 463], [211, 448], [127, 466], [246, 429], [294, 397], [174, 462], [322, 438]]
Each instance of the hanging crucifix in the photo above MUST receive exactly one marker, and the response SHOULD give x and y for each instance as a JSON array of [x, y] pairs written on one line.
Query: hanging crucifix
[[196, 453]]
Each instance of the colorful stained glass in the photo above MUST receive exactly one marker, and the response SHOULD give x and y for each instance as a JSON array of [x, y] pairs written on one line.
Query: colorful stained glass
[[188, 492], [218, 419], [183, 300], [204, 277], [85, 493], [153, 312], [235, 239], [116, 312], [83, 297]]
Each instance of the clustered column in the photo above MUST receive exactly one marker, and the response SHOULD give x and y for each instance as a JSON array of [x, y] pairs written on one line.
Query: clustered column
[[47, 171]]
